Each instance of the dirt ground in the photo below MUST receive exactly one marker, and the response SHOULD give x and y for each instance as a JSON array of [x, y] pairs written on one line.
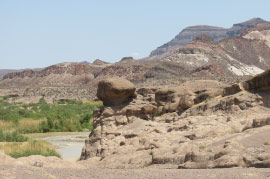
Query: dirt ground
[[22, 172]]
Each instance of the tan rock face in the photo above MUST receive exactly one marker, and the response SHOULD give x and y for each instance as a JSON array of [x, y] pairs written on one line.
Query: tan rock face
[[174, 99], [260, 82], [217, 132], [235, 88], [115, 91]]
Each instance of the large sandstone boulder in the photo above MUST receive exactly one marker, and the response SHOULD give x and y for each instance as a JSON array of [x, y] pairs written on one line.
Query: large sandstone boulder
[[115, 91]]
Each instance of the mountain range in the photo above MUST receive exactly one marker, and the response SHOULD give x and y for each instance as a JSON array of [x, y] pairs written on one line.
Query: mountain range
[[217, 33], [197, 52]]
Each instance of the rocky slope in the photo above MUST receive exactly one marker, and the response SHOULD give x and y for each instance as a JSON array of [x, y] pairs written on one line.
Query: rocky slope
[[167, 130], [217, 33], [247, 54], [3, 72], [60, 81], [195, 125]]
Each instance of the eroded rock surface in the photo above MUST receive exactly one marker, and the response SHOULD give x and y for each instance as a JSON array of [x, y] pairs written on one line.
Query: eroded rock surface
[[172, 128], [258, 83]]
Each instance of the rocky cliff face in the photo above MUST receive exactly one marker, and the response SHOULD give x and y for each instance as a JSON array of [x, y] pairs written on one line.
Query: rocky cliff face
[[246, 54], [217, 33], [3, 72], [191, 126]]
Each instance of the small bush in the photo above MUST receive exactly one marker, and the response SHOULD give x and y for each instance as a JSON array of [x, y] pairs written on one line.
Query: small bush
[[5, 97], [156, 114], [232, 131], [44, 127], [2, 136], [202, 146], [152, 156]]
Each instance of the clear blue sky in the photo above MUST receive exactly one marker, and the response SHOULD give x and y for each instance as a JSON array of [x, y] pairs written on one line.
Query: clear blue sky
[[38, 33]]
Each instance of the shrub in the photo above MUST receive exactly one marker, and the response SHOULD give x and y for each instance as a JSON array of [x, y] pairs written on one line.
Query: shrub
[[2, 136], [201, 146], [44, 127], [86, 118], [156, 114], [152, 156], [5, 97], [8, 114]]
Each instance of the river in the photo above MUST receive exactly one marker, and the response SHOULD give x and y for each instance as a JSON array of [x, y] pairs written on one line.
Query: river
[[68, 146]]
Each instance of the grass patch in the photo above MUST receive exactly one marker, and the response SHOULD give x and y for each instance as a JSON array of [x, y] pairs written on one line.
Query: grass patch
[[93, 103], [201, 146], [32, 147], [232, 131], [29, 125], [7, 125], [12, 137]]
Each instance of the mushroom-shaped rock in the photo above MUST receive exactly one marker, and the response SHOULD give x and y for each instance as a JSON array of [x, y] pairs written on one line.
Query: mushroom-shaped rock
[[115, 91]]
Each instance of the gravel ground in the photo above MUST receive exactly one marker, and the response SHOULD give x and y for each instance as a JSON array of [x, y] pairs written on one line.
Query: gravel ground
[[22, 172]]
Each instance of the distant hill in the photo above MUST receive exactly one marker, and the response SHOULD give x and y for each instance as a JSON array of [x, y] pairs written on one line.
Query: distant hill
[[3, 72], [217, 33]]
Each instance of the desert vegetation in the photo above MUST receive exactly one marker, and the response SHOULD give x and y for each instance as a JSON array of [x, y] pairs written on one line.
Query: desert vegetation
[[64, 116], [12, 137], [18, 120]]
